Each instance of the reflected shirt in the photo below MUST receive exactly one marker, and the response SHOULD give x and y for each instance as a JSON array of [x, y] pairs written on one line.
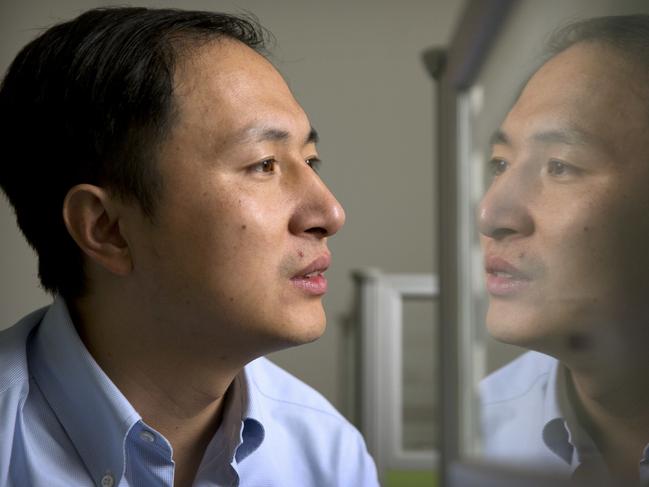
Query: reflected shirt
[[64, 423], [528, 421]]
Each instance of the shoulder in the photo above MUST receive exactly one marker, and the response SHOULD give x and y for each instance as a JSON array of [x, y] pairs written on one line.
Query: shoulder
[[513, 410], [13, 350], [278, 387], [527, 373], [14, 389], [305, 434]]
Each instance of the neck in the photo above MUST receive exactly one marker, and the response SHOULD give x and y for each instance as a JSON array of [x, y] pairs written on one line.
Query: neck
[[176, 390]]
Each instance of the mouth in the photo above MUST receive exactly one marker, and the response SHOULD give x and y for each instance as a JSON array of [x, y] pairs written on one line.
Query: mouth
[[311, 279], [503, 278]]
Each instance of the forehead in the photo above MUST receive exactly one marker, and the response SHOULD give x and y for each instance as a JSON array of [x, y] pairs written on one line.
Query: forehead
[[225, 86], [588, 89]]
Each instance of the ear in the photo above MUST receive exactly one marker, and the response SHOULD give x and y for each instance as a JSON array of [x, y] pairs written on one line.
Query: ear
[[92, 218]]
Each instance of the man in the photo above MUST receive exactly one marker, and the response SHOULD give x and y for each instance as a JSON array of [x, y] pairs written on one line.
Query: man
[[564, 229], [166, 177]]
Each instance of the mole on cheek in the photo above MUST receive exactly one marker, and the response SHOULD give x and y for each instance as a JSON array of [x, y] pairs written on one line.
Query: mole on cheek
[[243, 227], [586, 229]]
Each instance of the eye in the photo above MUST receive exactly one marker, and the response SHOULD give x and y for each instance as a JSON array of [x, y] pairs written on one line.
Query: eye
[[266, 166], [559, 168], [498, 166], [314, 163]]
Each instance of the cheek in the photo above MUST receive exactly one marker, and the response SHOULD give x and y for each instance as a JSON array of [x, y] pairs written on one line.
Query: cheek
[[228, 227], [198, 234], [598, 248], [246, 237], [257, 217], [581, 237]]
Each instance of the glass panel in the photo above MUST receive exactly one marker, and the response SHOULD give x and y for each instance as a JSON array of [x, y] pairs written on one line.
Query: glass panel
[[420, 335], [515, 56]]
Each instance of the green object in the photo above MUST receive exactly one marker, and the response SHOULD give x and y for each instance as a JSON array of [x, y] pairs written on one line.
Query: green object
[[411, 478]]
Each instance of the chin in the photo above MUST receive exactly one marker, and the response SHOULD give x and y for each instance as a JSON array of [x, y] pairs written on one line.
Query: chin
[[307, 331], [512, 327], [530, 330], [298, 328]]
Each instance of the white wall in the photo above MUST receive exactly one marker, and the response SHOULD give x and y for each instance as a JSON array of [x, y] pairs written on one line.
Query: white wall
[[355, 66]]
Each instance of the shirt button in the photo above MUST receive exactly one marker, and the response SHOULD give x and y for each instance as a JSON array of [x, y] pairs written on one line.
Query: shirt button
[[147, 436], [107, 480]]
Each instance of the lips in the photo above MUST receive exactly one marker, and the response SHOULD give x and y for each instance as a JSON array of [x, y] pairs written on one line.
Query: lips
[[311, 279], [503, 278], [498, 265]]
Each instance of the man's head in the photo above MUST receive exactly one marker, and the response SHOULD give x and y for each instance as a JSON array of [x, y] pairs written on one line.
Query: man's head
[[89, 101], [170, 158], [565, 221]]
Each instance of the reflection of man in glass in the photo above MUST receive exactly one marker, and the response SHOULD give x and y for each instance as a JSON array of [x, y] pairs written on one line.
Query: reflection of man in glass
[[565, 232]]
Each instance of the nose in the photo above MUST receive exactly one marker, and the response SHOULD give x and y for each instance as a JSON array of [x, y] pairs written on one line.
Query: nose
[[318, 213], [504, 211]]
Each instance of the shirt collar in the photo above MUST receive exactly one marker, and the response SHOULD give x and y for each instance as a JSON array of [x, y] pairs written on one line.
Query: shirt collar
[[253, 431], [94, 413], [552, 408], [242, 429], [562, 433], [555, 432]]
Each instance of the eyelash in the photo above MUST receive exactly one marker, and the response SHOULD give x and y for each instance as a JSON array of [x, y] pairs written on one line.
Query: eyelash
[[314, 163], [564, 168], [267, 166]]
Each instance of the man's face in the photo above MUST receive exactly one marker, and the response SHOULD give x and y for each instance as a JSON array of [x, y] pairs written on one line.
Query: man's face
[[565, 222], [239, 242]]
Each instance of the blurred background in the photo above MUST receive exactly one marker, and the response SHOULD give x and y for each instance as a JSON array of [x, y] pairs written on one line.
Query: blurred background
[[356, 67]]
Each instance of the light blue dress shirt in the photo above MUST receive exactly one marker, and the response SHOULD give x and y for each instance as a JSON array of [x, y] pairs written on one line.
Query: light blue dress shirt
[[528, 421], [64, 423]]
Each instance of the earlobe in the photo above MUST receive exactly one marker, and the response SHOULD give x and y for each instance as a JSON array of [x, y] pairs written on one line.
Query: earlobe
[[92, 219]]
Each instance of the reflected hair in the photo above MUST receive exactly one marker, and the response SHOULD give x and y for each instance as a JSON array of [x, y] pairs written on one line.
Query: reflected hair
[[627, 33], [89, 101]]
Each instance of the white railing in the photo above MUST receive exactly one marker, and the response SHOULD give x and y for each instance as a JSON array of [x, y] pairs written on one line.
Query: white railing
[[381, 385]]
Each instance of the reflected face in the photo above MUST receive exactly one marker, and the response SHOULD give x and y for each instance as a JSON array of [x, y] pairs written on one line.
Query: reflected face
[[239, 243], [565, 223]]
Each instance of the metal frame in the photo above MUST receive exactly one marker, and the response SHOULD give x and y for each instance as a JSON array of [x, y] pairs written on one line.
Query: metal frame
[[381, 297], [455, 70]]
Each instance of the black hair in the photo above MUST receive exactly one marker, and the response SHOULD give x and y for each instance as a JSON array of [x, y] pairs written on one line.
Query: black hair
[[89, 101], [627, 33]]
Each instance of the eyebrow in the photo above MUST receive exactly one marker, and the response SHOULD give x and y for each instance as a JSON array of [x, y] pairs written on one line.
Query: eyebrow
[[567, 136], [499, 138], [313, 137], [277, 135]]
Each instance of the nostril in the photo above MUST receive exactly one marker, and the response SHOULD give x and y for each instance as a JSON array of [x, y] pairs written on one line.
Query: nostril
[[501, 233], [319, 231]]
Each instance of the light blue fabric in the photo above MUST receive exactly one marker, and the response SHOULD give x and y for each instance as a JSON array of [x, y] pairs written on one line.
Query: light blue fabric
[[528, 421], [64, 423]]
